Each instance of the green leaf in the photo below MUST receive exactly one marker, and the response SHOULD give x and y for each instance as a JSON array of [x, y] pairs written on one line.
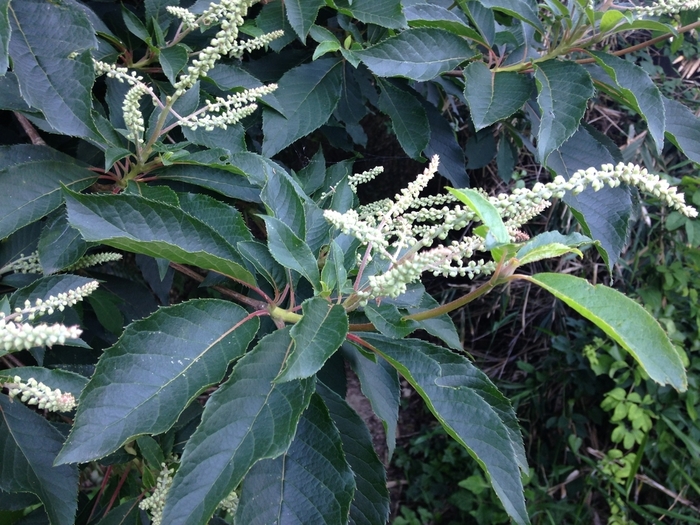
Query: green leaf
[[156, 9], [638, 91], [283, 201], [311, 93], [5, 32], [573, 240], [610, 19], [563, 88], [419, 54], [129, 222], [159, 365], [443, 143], [370, 505], [30, 444], [248, 419], [316, 337], [223, 181], [487, 212], [259, 256], [302, 15], [173, 60], [380, 385], [433, 15], [50, 50], [310, 483], [525, 10], [385, 13], [26, 199], [624, 320], [548, 251], [226, 220], [469, 407], [59, 245], [408, 118], [603, 215], [135, 26], [683, 128], [441, 326], [493, 96], [389, 321], [290, 251]]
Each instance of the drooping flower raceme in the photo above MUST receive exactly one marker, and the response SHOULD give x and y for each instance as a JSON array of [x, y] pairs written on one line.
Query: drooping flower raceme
[[17, 335], [404, 230], [668, 7], [35, 393], [155, 502]]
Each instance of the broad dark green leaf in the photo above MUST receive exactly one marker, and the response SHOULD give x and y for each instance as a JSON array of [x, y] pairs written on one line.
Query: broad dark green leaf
[[29, 445], [494, 96], [443, 143], [226, 220], [441, 326], [5, 31], [482, 18], [159, 365], [525, 10], [625, 321], [283, 201], [125, 514], [222, 181], [302, 15], [385, 13], [248, 419], [380, 385], [50, 49], [370, 505], [419, 54], [433, 15], [310, 483], [604, 215], [316, 337], [311, 93], [60, 245], [156, 9], [683, 128], [638, 91], [10, 97], [259, 256], [231, 139], [290, 251], [563, 88], [334, 274], [173, 60], [408, 118], [388, 320], [129, 222], [469, 407], [26, 199]]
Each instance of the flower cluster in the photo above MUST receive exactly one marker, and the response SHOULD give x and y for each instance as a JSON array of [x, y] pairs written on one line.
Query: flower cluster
[[16, 335], [668, 7], [398, 229], [31, 264], [229, 15], [155, 502], [227, 111], [25, 264], [133, 117], [34, 393]]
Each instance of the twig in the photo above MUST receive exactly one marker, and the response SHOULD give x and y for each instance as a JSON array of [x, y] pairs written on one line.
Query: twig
[[29, 129]]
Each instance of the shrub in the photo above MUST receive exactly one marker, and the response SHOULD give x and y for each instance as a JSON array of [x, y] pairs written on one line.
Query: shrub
[[230, 402]]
